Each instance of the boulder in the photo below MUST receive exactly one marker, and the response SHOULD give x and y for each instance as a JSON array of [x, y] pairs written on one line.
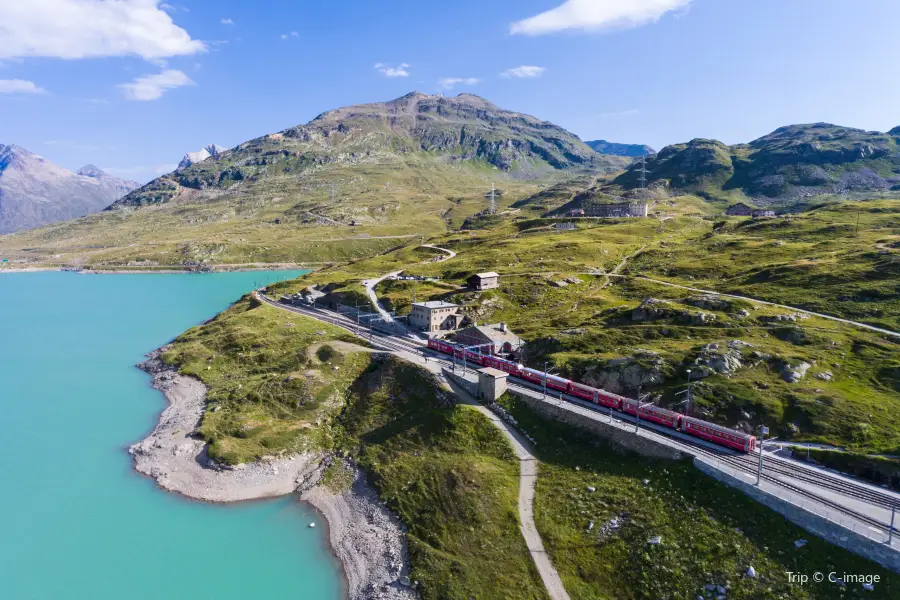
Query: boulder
[[794, 373], [824, 376], [709, 302]]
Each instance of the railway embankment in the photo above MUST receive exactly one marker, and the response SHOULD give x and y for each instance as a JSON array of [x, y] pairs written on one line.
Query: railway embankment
[[620, 438], [834, 528]]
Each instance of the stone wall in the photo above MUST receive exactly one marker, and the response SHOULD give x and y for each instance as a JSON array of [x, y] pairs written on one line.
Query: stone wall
[[625, 439], [465, 383], [876, 551]]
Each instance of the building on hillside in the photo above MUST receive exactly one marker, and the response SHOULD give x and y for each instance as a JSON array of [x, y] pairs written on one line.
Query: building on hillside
[[567, 226], [497, 338], [763, 214], [617, 210], [484, 281], [434, 315], [739, 210]]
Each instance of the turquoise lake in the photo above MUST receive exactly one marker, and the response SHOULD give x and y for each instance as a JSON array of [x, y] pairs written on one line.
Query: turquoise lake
[[78, 522]]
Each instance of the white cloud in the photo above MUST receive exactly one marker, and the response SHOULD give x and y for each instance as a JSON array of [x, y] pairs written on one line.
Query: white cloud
[[19, 86], [227, 22], [73, 29], [152, 87], [287, 36], [524, 72], [401, 70], [448, 83], [597, 15], [622, 113]]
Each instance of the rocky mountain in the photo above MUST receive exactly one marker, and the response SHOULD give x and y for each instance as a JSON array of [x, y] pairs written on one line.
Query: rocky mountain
[[194, 157], [35, 192], [788, 165], [629, 150], [463, 129]]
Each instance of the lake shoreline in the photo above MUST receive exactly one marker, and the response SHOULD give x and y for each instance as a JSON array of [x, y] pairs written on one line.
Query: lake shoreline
[[172, 270], [367, 539]]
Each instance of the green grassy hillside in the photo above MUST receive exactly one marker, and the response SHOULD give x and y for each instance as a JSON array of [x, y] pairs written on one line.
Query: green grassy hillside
[[786, 167], [559, 291]]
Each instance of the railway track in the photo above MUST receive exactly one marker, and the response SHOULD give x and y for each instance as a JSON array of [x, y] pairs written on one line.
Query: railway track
[[773, 472]]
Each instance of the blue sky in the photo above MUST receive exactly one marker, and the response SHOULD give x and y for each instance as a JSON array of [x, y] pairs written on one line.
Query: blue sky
[[133, 85]]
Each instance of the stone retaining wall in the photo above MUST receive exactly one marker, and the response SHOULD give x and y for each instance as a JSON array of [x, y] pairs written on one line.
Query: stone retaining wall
[[615, 435], [467, 384], [881, 553]]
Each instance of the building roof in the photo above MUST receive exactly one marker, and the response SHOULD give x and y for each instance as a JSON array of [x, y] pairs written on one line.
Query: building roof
[[436, 304], [495, 373], [493, 333], [486, 275]]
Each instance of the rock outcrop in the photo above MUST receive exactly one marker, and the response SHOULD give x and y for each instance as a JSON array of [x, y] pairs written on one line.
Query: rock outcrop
[[628, 374], [793, 373], [195, 157], [652, 309], [716, 359]]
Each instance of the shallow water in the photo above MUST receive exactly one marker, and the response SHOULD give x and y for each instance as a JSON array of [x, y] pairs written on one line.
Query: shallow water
[[78, 522]]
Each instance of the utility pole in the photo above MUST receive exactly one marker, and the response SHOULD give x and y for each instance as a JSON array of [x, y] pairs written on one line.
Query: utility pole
[[763, 430], [643, 176], [493, 209], [641, 406], [545, 381], [893, 514], [857, 221], [687, 408]]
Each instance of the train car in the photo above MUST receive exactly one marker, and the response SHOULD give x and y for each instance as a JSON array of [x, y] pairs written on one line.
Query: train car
[[441, 346], [558, 383], [475, 358], [553, 382], [532, 375], [609, 400], [506, 366], [584, 392], [718, 434], [653, 413]]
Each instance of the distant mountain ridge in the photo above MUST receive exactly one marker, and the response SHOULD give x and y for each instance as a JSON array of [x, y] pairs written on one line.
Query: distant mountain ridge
[[439, 129], [788, 165], [36, 192], [616, 149]]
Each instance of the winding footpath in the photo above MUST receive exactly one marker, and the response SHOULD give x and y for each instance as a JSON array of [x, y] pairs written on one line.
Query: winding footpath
[[370, 284], [528, 463], [450, 253], [764, 302], [528, 473]]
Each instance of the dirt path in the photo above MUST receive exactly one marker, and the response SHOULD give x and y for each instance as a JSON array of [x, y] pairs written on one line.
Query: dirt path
[[450, 253], [763, 302], [528, 473], [618, 267], [370, 284]]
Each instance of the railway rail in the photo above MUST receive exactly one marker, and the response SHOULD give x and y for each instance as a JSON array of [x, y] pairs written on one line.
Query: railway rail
[[774, 470]]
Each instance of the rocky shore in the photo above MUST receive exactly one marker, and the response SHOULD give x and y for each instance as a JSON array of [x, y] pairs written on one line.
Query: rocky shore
[[368, 539], [365, 536]]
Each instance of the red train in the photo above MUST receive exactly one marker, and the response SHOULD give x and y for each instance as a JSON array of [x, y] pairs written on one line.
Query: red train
[[668, 418]]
